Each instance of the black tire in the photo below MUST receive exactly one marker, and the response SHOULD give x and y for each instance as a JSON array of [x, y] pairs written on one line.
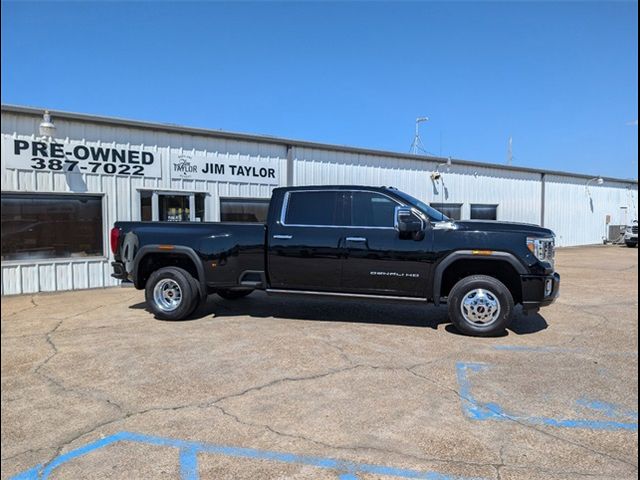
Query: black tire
[[234, 294], [180, 282], [483, 319], [631, 245], [195, 288]]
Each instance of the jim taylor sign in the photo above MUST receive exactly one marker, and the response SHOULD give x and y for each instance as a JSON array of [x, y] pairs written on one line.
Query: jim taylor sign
[[224, 168], [79, 157]]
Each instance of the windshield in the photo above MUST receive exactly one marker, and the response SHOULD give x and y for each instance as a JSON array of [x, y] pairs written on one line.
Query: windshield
[[433, 214]]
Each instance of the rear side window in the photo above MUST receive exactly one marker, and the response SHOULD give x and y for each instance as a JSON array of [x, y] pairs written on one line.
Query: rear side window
[[315, 208], [370, 209]]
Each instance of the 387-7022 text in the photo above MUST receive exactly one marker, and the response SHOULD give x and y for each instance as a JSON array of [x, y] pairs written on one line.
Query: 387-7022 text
[[56, 164]]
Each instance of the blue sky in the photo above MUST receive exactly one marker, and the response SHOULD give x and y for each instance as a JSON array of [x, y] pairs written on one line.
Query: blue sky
[[561, 78]]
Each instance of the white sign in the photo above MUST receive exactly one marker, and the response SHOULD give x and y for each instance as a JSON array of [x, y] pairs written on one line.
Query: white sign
[[216, 168], [29, 154]]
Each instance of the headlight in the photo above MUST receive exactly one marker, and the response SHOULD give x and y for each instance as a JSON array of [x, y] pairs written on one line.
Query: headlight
[[629, 230], [542, 248]]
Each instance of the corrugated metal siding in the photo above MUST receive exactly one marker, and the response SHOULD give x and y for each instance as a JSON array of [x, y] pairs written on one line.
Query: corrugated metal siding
[[518, 194], [579, 216], [121, 198]]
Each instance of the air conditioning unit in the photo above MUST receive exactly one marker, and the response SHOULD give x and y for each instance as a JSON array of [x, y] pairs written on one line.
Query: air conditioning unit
[[615, 232]]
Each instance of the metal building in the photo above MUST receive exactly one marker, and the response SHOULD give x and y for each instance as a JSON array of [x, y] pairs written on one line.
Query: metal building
[[62, 190]]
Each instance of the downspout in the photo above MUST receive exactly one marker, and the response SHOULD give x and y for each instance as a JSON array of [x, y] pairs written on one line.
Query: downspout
[[289, 165], [543, 199]]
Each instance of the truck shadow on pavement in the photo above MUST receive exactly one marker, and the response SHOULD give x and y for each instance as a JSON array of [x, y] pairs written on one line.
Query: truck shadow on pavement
[[261, 305]]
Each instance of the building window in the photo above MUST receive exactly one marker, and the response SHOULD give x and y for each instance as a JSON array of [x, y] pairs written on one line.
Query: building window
[[199, 206], [484, 212], [451, 210], [172, 206], [146, 209], [252, 210], [38, 226]]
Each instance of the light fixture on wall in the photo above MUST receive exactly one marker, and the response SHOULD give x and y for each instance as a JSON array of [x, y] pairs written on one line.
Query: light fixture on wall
[[47, 128], [436, 174], [597, 180], [447, 163]]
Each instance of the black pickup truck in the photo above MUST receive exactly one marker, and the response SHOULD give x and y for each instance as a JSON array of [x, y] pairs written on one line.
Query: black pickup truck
[[344, 241]]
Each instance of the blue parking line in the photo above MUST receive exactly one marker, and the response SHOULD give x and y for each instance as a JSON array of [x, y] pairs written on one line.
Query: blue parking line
[[189, 450], [482, 411], [31, 474], [610, 410], [188, 464]]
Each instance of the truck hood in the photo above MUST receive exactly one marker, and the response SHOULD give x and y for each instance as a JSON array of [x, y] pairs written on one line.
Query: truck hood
[[510, 227]]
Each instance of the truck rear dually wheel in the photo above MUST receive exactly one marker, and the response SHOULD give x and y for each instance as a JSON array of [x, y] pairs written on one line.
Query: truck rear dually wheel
[[171, 293], [480, 305]]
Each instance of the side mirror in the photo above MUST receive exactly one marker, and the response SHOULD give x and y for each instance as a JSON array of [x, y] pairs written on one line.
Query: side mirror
[[407, 223]]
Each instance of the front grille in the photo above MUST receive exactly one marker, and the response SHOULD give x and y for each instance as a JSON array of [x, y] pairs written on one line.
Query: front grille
[[634, 229]]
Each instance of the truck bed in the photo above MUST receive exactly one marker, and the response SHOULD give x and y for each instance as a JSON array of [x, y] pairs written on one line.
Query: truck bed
[[226, 249]]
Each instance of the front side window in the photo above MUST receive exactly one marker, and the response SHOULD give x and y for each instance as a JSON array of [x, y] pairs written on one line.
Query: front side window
[[39, 226], [315, 208], [484, 212], [370, 209], [253, 210], [451, 210], [433, 214]]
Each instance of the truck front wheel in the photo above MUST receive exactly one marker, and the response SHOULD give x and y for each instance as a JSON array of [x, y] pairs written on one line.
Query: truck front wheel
[[171, 294], [480, 305]]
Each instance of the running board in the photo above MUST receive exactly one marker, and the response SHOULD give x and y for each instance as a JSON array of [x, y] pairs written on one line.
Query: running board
[[350, 295]]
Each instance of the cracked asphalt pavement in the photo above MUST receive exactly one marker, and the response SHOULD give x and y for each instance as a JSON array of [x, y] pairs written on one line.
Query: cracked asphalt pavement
[[374, 383]]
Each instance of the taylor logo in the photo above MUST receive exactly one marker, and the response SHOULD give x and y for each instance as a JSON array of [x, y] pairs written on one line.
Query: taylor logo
[[184, 167]]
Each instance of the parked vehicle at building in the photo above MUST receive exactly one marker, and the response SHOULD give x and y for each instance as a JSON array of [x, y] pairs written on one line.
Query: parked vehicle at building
[[345, 241], [631, 235]]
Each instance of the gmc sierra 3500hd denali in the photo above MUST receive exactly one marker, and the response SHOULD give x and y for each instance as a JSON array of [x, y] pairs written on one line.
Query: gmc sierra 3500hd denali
[[344, 241]]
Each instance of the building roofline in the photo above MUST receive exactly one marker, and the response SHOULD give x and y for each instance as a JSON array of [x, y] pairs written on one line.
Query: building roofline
[[172, 128]]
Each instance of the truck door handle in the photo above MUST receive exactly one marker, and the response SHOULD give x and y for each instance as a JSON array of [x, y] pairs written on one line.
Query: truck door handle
[[356, 239], [283, 237]]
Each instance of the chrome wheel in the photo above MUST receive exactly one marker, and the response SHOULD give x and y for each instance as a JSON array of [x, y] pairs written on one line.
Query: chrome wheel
[[167, 295], [480, 306]]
